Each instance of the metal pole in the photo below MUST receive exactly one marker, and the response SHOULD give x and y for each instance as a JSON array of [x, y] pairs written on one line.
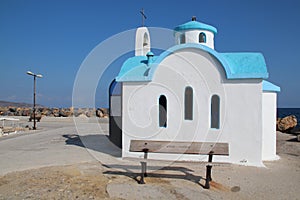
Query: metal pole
[[34, 85]]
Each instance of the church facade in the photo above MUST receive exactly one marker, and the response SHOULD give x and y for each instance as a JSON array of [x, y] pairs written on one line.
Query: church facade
[[191, 92]]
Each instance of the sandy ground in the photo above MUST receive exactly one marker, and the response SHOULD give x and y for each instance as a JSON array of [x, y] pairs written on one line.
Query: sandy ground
[[114, 179]]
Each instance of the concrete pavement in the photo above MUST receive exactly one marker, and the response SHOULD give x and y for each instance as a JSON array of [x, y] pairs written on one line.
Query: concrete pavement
[[54, 143]]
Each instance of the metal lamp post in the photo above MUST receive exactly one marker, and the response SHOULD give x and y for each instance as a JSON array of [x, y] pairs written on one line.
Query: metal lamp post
[[34, 86]]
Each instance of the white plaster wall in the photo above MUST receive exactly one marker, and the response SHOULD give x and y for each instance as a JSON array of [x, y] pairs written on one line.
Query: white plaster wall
[[192, 36], [269, 126], [243, 121], [142, 43], [240, 109]]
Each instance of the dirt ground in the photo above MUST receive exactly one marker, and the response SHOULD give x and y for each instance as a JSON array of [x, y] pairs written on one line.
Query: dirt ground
[[94, 180]]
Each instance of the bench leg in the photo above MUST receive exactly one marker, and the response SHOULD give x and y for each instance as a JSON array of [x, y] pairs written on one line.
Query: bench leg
[[144, 172], [208, 171], [208, 176]]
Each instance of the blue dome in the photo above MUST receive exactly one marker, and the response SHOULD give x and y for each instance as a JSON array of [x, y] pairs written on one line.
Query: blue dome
[[195, 25], [150, 54]]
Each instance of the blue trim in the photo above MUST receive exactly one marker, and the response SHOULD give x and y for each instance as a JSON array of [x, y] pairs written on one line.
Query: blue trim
[[269, 87], [236, 65], [195, 25]]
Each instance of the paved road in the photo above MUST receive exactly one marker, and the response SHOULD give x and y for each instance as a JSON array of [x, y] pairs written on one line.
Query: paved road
[[56, 142]]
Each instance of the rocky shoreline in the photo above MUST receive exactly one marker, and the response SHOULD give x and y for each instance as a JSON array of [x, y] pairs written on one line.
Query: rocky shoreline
[[54, 112]]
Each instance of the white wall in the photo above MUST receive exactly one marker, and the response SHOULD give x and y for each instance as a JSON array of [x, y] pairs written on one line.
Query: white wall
[[240, 112], [192, 36], [269, 126]]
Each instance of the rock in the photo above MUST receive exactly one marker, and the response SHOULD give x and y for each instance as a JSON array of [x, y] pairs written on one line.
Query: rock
[[89, 113], [38, 117], [55, 112], [99, 113], [78, 112], [65, 112], [3, 110], [287, 123], [102, 112], [82, 116], [46, 112], [12, 109], [26, 112]]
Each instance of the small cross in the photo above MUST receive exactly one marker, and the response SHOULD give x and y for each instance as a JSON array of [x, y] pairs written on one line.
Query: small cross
[[143, 16]]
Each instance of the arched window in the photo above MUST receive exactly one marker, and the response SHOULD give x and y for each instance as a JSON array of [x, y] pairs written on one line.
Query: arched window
[[182, 38], [146, 44], [188, 103], [145, 40], [162, 111], [215, 112], [202, 38]]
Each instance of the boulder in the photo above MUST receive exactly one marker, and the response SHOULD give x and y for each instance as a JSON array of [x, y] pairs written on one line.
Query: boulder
[[12, 109], [65, 112], [55, 112], [26, 112], [3, 110], [287, 123], [89, 113], [38, 117], [82, 116], [78, 112], [99, 113], [46, 112]]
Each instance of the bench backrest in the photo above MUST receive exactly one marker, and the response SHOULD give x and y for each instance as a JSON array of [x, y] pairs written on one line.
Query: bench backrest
[[204, 148]]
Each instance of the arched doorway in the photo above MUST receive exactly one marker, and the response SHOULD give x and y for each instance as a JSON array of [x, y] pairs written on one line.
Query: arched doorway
[[115, 113]]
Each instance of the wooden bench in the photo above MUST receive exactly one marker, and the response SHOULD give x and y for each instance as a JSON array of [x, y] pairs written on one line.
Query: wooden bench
[[200, 148]]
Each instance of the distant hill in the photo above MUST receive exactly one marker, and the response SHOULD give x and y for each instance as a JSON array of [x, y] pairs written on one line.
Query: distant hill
[[16, 104]]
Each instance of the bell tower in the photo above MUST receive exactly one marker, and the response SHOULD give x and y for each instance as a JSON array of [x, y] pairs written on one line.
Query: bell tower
[[195, 32], [142, 41]]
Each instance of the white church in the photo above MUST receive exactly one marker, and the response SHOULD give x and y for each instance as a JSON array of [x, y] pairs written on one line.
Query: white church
[[191, 92]]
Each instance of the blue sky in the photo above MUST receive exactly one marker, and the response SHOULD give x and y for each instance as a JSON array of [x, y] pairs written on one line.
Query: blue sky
[[54, 37]]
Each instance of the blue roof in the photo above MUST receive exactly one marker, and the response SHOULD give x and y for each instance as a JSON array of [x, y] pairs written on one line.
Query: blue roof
[[236, 65], [246, 65], [134, 69], [195, 25], [270, 87]]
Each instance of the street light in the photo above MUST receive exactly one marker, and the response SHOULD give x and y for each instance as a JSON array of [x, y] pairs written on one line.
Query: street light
[[34, 85]]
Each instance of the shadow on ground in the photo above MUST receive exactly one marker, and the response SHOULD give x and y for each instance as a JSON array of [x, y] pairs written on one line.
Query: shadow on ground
[[156, 172], [96, 142], [101, 143]]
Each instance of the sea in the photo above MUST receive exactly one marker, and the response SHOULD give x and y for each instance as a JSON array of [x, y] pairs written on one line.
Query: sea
[[283, 112]]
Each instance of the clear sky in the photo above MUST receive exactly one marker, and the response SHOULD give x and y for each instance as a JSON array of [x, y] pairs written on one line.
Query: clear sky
[[53, 37]]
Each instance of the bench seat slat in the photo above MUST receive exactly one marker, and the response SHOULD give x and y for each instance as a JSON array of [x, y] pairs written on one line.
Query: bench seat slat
[[179, 147]]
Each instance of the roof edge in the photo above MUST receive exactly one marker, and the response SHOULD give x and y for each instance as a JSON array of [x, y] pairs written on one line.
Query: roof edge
[[270, 87]]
